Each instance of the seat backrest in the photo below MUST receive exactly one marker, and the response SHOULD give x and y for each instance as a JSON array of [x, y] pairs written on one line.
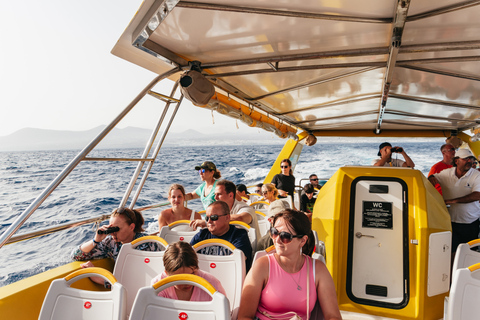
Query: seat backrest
[[63, 302], [463, 300], [252, 233], [262, 253], [135, 269], [263, 223], [465, 256], [149, 306], [229, 270], [319, 252], [177, 231], [259, 205]]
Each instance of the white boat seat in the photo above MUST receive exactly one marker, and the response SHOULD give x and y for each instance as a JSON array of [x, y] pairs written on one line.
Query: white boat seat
[[229, 270], [63, 302], [252, 233], [135, 269], [177, 231], [465, 256], [263, 223], [319, 252], [261, 204], [149, 306], [463, 300]]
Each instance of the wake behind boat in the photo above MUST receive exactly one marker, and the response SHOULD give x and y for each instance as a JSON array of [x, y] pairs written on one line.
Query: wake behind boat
[[304, 70]]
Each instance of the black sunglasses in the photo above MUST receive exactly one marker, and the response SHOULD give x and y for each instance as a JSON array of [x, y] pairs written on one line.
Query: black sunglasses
[[313, 179], [214, 217], [284, 167], [285, 237]]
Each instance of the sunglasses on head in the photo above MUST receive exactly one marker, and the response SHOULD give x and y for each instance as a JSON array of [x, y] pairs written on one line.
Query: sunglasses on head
[[213, 217], [285, 237]]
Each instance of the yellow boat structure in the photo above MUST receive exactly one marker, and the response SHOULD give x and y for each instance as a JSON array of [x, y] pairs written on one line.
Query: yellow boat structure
[[305, 69]]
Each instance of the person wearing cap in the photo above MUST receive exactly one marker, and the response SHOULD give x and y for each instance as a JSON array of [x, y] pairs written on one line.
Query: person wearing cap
[[461, 190], [448, 152], [385, 154], [206, 191], [242, 193]]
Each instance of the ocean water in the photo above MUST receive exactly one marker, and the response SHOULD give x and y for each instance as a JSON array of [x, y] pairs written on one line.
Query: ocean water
[[96, 188]]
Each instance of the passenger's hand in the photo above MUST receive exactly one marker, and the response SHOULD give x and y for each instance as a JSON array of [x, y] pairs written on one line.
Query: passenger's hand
[[100, 237], [87, 264], [199, 223], [433, 180], [282, 193]]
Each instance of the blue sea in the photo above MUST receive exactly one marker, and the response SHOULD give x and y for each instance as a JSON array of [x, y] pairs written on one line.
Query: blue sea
[[96, 188]]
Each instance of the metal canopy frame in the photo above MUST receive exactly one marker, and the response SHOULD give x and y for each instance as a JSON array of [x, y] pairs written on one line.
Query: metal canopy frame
[[240, 68]]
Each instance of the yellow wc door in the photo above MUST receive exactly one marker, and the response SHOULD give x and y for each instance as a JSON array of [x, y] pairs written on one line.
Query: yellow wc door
[[377, 261]]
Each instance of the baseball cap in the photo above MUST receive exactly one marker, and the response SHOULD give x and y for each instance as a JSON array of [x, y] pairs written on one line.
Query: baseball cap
[[464, 153], [383, 145], [242, 187], [207, 165]]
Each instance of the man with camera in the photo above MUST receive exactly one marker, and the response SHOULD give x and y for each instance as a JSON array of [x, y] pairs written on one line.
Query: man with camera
[[385, 153]]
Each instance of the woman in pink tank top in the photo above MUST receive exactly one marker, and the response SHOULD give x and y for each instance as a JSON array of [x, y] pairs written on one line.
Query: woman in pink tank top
[[276, 286]]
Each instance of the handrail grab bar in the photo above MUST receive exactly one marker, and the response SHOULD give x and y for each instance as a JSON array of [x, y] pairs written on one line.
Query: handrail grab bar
[[69, 225], [20, 220]]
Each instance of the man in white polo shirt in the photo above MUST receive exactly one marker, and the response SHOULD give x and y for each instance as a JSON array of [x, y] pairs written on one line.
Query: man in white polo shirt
[[461, 190]]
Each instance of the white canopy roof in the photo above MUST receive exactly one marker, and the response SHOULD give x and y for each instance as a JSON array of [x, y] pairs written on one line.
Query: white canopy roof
[[325, 65]]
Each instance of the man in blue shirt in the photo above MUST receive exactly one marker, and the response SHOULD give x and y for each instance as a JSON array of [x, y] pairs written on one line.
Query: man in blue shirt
[[218, 227]]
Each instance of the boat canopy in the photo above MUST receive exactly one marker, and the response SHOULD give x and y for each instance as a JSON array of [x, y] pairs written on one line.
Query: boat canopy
[[398, 68]]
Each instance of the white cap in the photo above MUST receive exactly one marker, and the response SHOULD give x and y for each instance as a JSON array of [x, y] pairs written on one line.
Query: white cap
[[464, 153]]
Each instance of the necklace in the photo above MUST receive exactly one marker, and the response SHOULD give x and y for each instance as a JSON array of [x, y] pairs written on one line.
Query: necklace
[[298, 285]]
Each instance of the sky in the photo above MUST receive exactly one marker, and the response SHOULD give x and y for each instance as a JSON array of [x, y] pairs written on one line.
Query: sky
[[57, 72]]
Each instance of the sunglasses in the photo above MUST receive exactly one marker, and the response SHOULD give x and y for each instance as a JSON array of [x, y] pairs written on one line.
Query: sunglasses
[[213, 217], [313, 179], [285, 237], [264, 192], [258, 191], [201, 171], [283, 167]]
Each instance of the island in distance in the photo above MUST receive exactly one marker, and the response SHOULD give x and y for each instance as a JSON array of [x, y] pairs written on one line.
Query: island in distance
[[31, 139]]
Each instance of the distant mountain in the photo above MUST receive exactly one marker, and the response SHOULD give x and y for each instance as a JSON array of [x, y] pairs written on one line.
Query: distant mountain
[[29, 139]]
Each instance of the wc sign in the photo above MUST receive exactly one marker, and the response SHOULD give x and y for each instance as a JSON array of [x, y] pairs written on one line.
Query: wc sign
[[377, 214]]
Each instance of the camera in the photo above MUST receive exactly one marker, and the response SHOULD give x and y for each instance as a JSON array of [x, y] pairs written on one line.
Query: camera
[[397, 149], [108, 230]]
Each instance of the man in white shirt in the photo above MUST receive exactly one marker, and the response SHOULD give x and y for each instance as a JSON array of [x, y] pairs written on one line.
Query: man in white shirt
[[461, 190], [239, 211], [385, 153]]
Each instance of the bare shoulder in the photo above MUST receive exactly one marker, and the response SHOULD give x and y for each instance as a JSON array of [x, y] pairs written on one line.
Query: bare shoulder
[[260, 268]]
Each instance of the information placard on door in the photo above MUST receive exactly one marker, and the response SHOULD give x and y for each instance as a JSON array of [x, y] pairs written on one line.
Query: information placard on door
[[377, 215]]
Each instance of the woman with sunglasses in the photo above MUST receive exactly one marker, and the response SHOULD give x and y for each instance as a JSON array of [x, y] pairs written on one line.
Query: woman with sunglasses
[[176, 196], [285, 181], [180, 258], [206, 191], [128, 224], [276, 286]]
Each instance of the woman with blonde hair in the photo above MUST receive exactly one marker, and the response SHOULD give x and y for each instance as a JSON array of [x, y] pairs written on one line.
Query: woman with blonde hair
[[180, 258], [176, 196]]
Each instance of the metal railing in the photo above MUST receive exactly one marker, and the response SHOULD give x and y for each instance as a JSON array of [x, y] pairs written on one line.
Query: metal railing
[[82, 156], [70, 225]]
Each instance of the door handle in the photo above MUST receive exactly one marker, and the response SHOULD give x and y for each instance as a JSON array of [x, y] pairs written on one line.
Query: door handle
[[359, 235]]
